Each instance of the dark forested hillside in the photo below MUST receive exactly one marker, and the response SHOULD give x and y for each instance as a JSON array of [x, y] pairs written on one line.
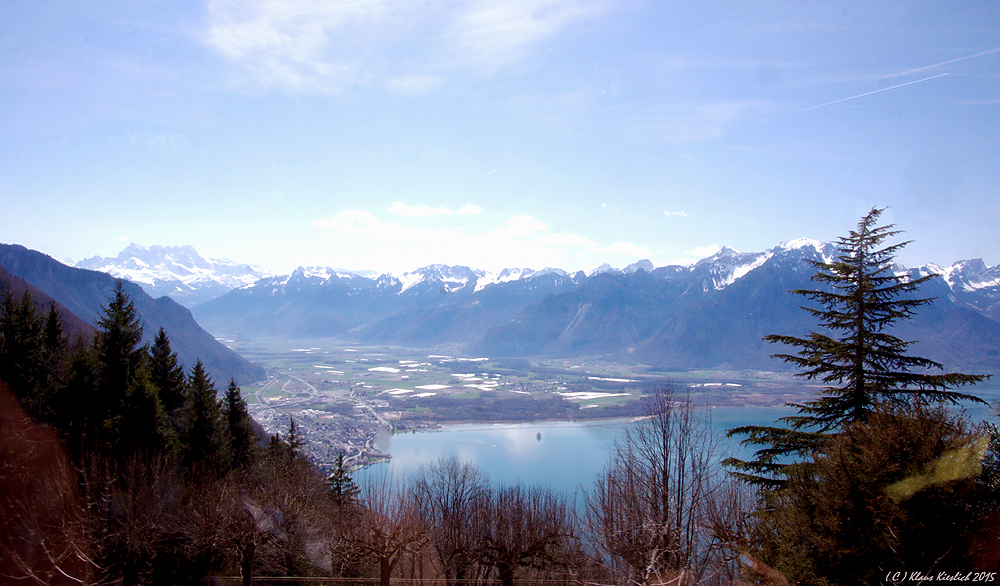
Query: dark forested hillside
[[73, 326], [84, 292]]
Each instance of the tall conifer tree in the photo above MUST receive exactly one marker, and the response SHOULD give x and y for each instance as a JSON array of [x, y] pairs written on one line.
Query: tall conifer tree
[[242, 442], [125, 415], [119, 341], [205, 436], [54, 344], [342, 486], [294, 439], [167, 373], [856, 354], [21, 352]]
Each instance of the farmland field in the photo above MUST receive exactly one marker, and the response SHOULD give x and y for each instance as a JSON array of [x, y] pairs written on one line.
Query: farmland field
[[341, 395]]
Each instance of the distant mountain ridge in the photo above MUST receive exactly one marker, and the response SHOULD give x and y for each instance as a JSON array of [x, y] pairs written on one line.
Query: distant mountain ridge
[[710, 314], [84, 293], [176, 271], [321, 301]]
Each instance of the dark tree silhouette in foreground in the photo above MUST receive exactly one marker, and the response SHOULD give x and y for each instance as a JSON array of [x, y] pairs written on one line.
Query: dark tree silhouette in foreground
[[856, 353], [242, 442]]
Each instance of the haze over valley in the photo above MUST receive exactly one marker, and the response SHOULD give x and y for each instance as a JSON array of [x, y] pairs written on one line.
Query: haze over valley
[[711, 313], [348, 353]]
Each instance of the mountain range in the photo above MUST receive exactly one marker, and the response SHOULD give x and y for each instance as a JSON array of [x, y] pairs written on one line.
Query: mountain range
[[712, 314], [176, 271], [84, 293]]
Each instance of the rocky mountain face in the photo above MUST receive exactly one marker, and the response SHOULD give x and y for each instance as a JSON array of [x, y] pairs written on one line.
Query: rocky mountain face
[[85, 292], [178, 272], [712, 314], [973, 283]]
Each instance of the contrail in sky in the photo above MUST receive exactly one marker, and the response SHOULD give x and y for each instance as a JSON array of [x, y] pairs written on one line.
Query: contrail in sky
[[926, 67], [885, 89]]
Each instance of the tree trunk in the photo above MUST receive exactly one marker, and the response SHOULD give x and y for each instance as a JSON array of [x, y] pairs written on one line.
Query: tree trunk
[[246, 570], [384, 571], [506, 574]]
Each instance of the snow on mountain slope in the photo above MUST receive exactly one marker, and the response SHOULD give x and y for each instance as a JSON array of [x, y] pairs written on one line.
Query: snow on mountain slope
[[641, 265], [970, 275], [183, 274], [509, 275], [726, 266], [176, 271], [729, 265]]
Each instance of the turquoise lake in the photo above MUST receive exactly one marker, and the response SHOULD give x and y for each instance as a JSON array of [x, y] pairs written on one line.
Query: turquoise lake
[[568, 455]]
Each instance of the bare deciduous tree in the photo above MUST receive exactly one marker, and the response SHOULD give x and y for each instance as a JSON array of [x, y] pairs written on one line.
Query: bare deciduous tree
[[448, 494], [389, 526], [524, 528], [290, 502], [652, 510], [222, 520]]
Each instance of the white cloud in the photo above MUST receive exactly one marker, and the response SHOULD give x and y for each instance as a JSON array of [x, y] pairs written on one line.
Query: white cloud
[[520, 226], [319, 46], [289, 44], [705, 250], [360, 239], [366, 241], [489, 34], [681, 213], [469, 209]]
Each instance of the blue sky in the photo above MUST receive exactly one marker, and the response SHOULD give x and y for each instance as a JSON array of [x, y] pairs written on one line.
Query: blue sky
[[390, 135]]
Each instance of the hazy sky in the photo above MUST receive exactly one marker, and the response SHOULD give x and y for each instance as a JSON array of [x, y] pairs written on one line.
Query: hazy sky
[[389, 135]]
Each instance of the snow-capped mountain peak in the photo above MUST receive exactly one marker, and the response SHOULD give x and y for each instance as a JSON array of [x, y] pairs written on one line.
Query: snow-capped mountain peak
[[182, 273], [726, 266], [177, 271], [452, 278], [969, 275], [639, 265], [310, 273], [515, 274], [801, 243], [504, 276], [729, 265], [604, 268]]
